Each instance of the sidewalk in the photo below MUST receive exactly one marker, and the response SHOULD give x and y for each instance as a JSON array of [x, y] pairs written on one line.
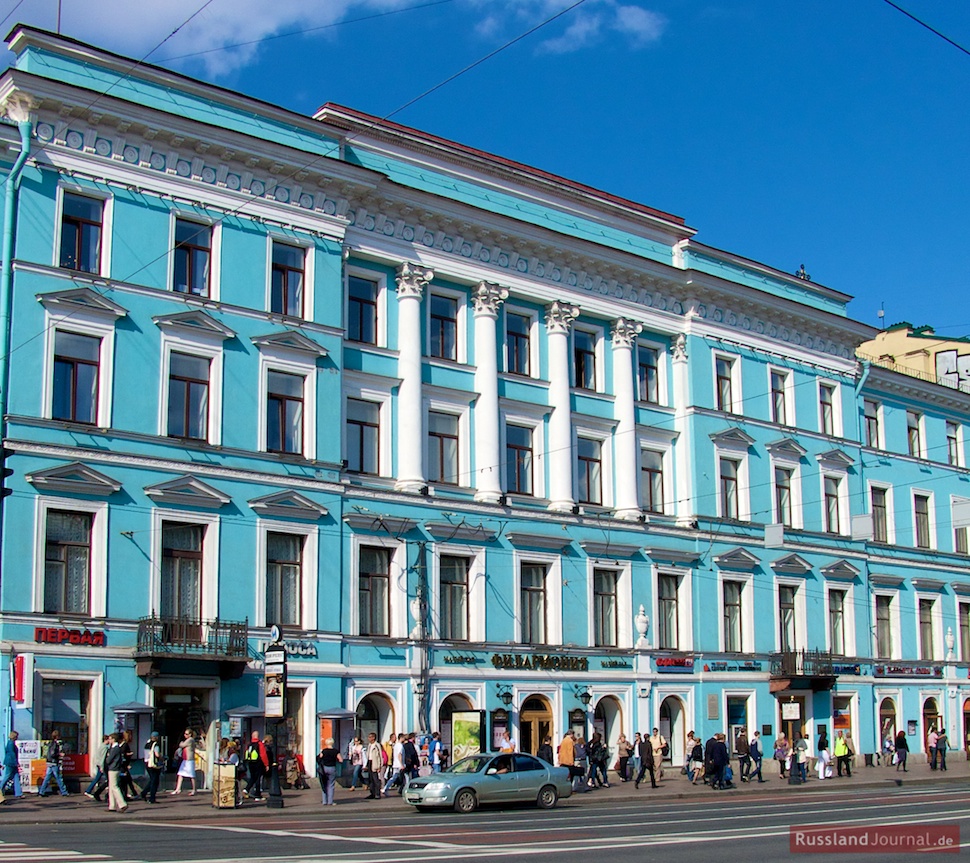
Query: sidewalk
[[31, 809]]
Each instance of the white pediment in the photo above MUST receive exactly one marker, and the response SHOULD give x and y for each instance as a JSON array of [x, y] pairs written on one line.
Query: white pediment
[[74, 478], [840, 570], [732, 438], [786, 447], [288, 504], [289, 340], [835, 458], [791, 564], [187, 491], [737, 558], [196, 322], [81, 301]]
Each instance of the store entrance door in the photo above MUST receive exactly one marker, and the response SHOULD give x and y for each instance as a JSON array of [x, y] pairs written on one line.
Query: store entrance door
[[178, 708], [535, 723]]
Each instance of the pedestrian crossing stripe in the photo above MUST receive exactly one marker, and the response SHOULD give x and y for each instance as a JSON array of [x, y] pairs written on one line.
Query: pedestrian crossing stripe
[[18, 852]]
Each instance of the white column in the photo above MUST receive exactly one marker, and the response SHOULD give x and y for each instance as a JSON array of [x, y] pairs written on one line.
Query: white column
[[486, 298], [683, 506], [411, 281], [559, 318], [625, 445]]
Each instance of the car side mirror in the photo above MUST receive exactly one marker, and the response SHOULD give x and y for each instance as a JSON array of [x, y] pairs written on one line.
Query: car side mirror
[[491, 771]]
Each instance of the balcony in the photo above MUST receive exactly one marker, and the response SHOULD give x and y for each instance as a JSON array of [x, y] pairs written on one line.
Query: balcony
[[801, 669], [178, 645]]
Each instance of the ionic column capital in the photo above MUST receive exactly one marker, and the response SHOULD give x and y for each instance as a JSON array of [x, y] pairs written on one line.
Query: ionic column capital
[[412, 279], [625, 332], [560, 316], [487, 297]]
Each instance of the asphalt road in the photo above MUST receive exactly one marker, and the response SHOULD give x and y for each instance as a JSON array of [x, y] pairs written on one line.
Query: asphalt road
[[752, 826]]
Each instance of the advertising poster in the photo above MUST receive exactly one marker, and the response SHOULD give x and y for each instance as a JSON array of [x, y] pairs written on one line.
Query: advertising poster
[[466, 734], [29, 751], [275, 681]]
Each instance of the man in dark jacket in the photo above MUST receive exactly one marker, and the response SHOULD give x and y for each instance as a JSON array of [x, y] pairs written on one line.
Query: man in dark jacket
[[256, 762], [717, 760], [411, 760], [545, 751], [645, 751], [744, 755]]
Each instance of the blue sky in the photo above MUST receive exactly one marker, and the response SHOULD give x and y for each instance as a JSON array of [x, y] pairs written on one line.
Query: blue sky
[[832, 134]]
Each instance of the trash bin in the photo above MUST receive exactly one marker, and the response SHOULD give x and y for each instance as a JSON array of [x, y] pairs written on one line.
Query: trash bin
[[224, 785]]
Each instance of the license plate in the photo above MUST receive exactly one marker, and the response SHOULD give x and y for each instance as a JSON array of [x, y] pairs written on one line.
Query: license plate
[[412, 798]]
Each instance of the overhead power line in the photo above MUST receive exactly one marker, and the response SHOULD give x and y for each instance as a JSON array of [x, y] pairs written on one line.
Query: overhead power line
[[922, 23]]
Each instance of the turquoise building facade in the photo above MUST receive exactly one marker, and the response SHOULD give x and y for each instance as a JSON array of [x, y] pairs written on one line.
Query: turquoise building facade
[[477, 440]]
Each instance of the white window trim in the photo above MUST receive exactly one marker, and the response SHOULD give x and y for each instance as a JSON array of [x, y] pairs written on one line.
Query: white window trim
[[475, 555], [95, 679], [789, 395], [534, 354], [381, 281], [397, 588], [461, 326], [308, 575], [894, 625], [797, 508], [376, 391], [210, 558], [841, 478], [960, 459], [661, 349], [890, 509], [589, 429], [744, 483], [215, 251], [309, 249], [624, 599], [599, 352], [536, 422], [665, 447], [960, 599], [836, 405], [198, 346], [955, 499], [737, 397], [931, 507], [746, 580], [685, 616], [438, 401], [107, 218], [848, 617], [97, 606], [936, 619], [296, 364], [79, 323], [880, 422], [921, 432], [309, 727], [801, 636], [554, 604]]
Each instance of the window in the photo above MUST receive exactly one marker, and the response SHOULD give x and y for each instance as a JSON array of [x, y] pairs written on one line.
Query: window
[[444, 327], [188, 396], [362, 310], [826, 407], [779, 397], [533, 587], [81, 226], [783, 495], [732, 616], [652, 480], [914, 436], [831, 491], [76, 377], [837, 622], [960, 540], [363, 437], [963, 611], [584, 359], [668, 629], [192, 258], [921, 509], [926, 651], [374, 578], [442, 448], [786, 617], [453, 599], [67, 563], [284, 578], [518, 346], [288, 272], [284, 412], [181, 582], [648, 374], [884, 627], [880, 514], [953, 443], [724, 374], [518, 459], [729, 488], [871, 414], [590, 465], [604, 608]]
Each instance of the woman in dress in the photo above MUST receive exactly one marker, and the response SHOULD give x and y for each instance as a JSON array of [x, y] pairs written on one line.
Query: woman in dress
[[186, 755]]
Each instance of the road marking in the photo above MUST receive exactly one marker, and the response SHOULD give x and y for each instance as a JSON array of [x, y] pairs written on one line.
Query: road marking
[[18, 852]]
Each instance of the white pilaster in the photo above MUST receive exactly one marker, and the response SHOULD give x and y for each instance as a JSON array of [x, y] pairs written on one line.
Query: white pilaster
[[559, 318], [486, 298], [625, 444], [411, 281], [684, 503]]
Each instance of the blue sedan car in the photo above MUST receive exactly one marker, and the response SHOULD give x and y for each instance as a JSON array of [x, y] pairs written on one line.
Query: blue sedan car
[[505, 778]]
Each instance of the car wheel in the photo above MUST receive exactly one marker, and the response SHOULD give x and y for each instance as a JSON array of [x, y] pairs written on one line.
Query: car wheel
[[466, 801], [548, 797]]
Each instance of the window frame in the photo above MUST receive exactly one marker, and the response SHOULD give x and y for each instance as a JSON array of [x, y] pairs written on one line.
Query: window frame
[[890, 521], [895, 628], [84, 325], [848, 630], [931, 650], [746, 610], [833, 386], [76, 363], [734, 382], [377, 390], [513, 461], [623, 610], [308, 574], [107, 213], [553, 594], [461, 324], [380, 329], [834, 503], [210, 575], [212, 350], [661, 351], [954, 443], [684, 615], [526, 416], [215, 249], [308, 248], [533, 342], [597, 353], [956, 534], [397, 577], [798, 613], [461, 445], [794, 494], [722, 498], [930, 521], [787, 393], [963, 627], [602, 433], [286, 362], [475, 597], [362, 438], [868, 422], [915, 434]]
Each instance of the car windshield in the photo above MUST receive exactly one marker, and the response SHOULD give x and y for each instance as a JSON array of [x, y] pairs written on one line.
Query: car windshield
[[472, 764]]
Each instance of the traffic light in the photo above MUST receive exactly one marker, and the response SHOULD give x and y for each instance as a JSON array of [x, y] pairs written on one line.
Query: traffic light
[[5, 472]]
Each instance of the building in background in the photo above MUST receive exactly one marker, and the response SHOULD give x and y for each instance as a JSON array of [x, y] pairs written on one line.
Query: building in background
[[480, 441]]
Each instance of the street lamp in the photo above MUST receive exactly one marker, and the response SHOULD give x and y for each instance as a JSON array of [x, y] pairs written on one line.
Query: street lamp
[[504, 693], [584, 695]]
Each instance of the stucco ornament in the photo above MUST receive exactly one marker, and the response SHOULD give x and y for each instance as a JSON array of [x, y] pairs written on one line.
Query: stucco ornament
[[950, 642], [418, 632], [642, 623]]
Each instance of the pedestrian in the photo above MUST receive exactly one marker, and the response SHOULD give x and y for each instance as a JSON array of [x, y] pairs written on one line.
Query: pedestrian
[[757, 755], [635, 755], [185, 754], [782, 753], [941, 744], [11, 765], [931, 739], [660, 751], [718, 759], [434, 752], [841, 753], [153, 764], [647, 763], [743, 750], [623, 750], [567, 757], [112, 766], [374, 761], [545, 750], [98, 756], [257, 764], [272, 764], [355, 753], [397, 766], [411, 759], [55, 756], [125, 782], [823, 761], [800, 757], [902, 750], [695, 758], [327, 762], [507, 744], [581, 750], [599, 756], [389, 757]]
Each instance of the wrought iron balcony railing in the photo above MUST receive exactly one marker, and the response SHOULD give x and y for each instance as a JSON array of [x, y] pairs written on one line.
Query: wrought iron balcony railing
[[802, 663], [187, 638]]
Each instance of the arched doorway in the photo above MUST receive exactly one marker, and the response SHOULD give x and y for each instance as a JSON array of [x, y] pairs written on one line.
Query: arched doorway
[[375, 714], [672, 720], [608, 720], [535, 723], [887, 722], [931, 719], [454, 703]]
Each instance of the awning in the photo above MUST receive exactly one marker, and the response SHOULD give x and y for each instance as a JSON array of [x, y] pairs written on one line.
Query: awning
[[133, 707], [336, 713], [246, 710]]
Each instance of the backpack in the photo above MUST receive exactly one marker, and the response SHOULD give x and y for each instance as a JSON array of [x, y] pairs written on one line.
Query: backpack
[[383, 757], [252, 754]]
